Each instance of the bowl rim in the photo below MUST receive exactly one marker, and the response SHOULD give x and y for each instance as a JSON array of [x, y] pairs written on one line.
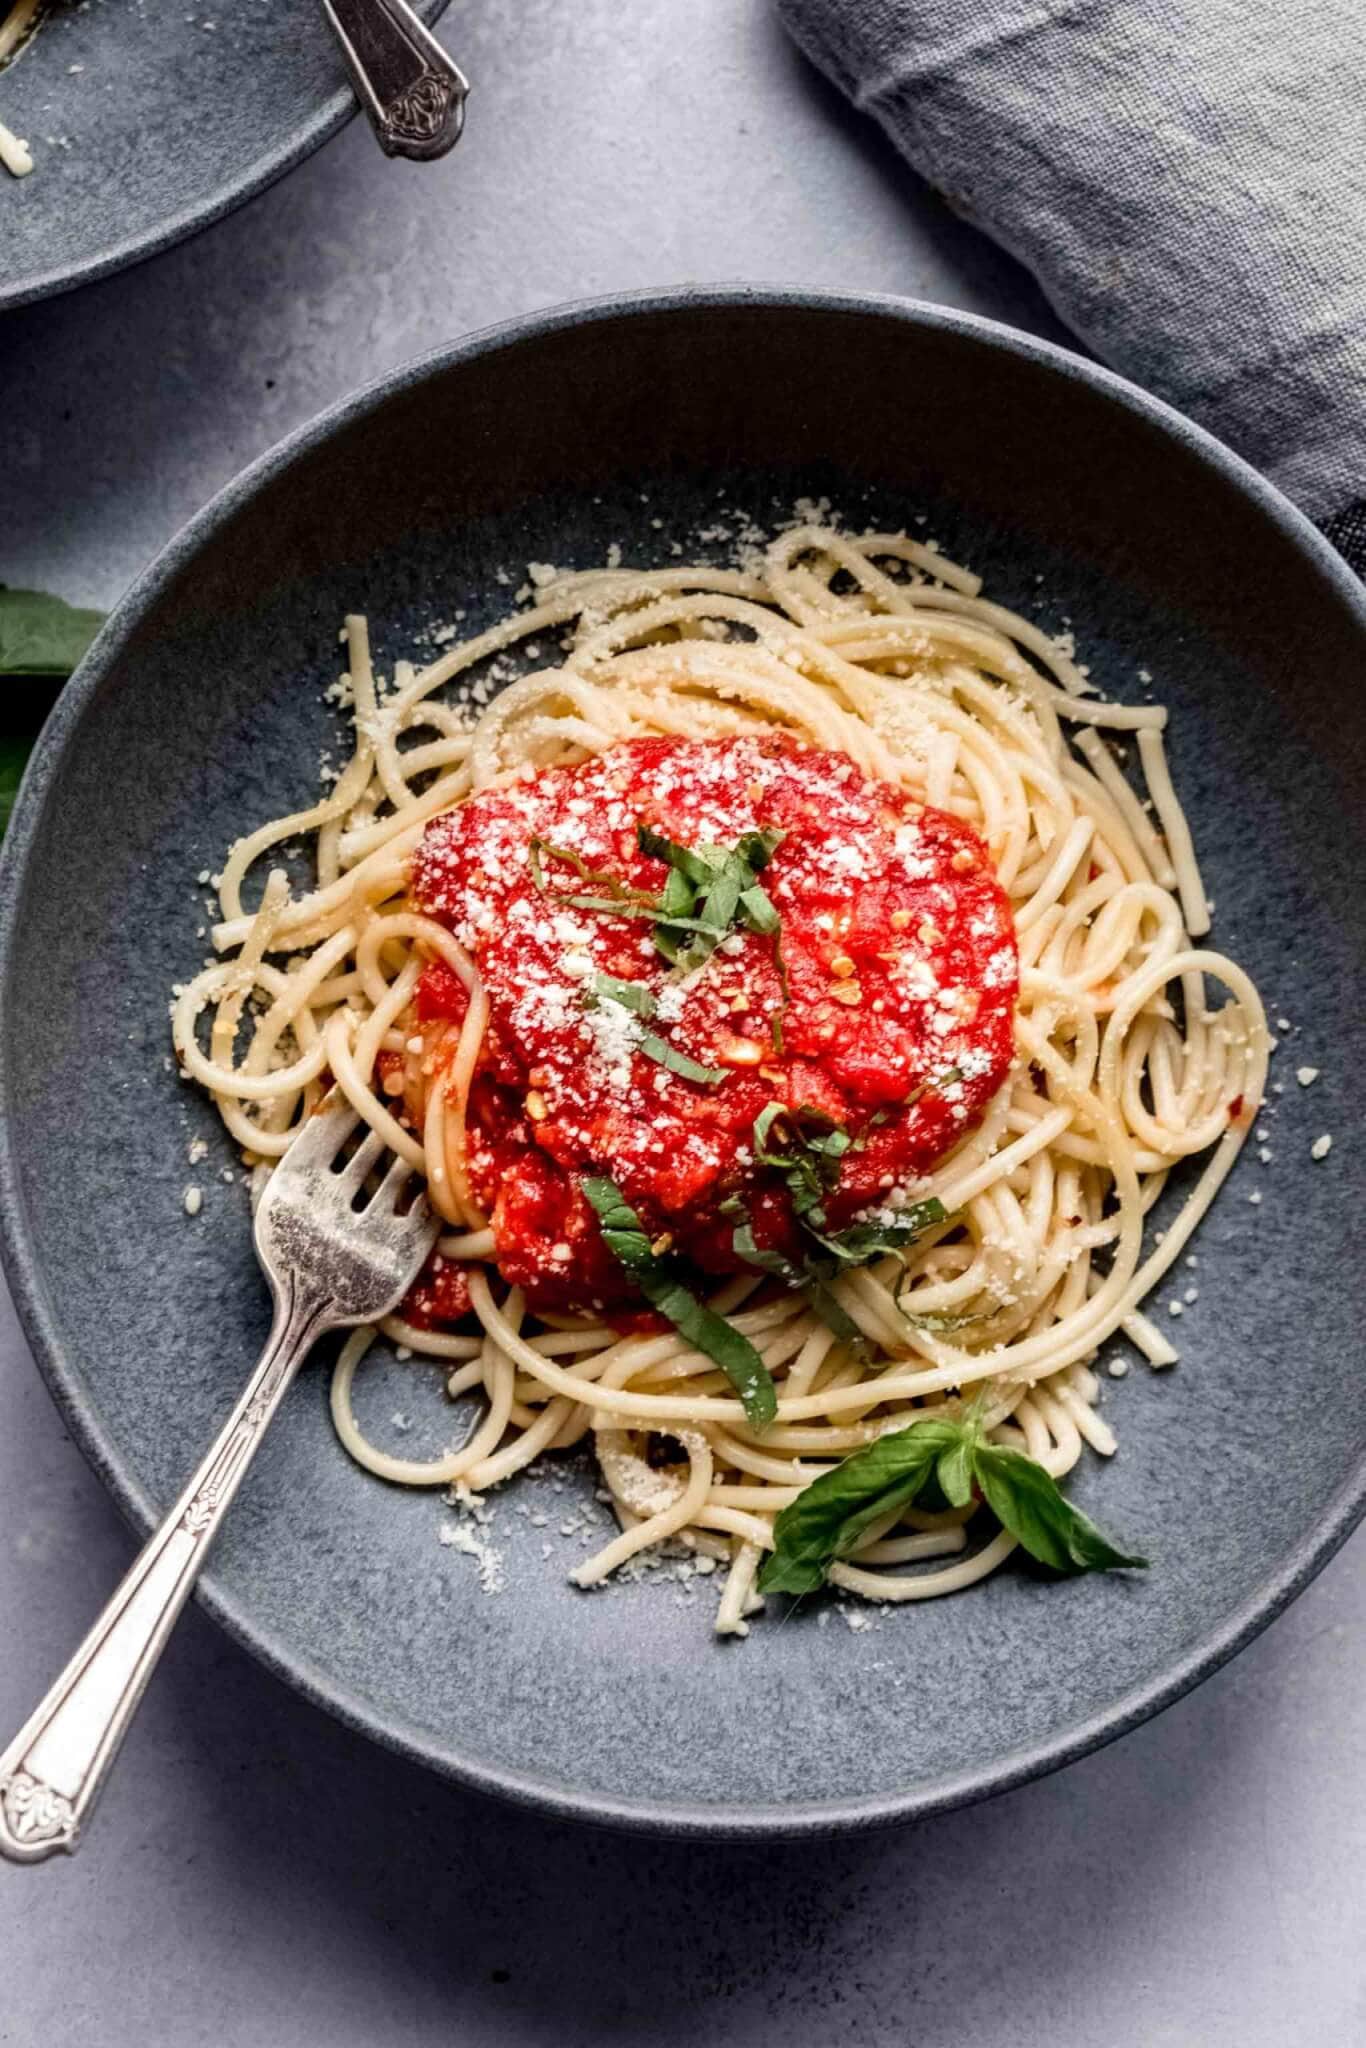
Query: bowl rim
[[332, 114], [22, 1267]]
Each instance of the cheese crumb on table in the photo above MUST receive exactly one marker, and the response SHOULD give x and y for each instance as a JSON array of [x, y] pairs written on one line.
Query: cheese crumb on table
[[1321, 1147], [1306, 1075]]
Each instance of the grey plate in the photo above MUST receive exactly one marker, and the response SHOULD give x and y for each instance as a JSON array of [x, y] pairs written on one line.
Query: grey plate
[[198, 711], [172, 115]]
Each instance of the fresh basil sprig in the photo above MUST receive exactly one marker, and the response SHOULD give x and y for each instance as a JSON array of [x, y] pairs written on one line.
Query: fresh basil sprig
[[634, 996], [41, 641], [831, 1516], [660, 1280]]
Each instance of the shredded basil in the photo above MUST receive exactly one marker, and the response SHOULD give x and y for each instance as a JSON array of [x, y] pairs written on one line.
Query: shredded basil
[[679, 1063], [619, 891], [709, 889], [813, 1276], [834, 1513], [812, 1169], [620, 900], [634, 996], [864, 1241], [809, 1163], [662, 1283]]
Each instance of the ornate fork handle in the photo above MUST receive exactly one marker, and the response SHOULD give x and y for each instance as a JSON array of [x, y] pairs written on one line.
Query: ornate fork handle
[[413, 93], [52, 1771]]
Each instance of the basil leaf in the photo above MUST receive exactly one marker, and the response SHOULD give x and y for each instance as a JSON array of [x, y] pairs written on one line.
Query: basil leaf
[[618, 907], [759, 909], [735, 881], [763, 1124], [864, 1241], [811, 1275], [1025, 1499], [709, 884], [41, 639], [619, 891], [678, 1062], [660, 1282], [813, 1170], [13, 754], [831, 1309], [676, 903], [632, 995], [697, 868], [830, 1516], [621, 899], [42, 636], [742, 1241], [954, 1471]]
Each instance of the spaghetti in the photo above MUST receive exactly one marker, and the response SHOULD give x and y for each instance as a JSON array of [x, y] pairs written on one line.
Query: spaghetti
[[882, 657]]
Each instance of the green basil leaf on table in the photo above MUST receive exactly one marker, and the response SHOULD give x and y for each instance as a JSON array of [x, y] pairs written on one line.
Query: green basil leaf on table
[[42, 636], [41, 640]]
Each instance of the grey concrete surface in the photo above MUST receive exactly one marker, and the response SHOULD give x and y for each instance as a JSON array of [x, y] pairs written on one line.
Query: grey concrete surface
[[257, 1875]]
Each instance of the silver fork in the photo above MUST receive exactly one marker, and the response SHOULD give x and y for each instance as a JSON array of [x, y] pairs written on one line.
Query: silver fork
[[333, 1256]]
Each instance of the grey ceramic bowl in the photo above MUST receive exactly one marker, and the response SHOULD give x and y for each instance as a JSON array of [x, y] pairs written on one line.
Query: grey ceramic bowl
[[149, 122], [199, 710]]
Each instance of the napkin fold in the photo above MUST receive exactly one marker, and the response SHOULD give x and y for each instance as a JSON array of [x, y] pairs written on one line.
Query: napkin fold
[[1186, 179]]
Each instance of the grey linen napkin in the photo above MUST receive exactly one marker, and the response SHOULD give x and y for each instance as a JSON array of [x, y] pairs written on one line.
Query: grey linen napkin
[[1186, 179]]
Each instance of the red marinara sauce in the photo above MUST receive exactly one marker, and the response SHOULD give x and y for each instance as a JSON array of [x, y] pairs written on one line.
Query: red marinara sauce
[[896, 1023]]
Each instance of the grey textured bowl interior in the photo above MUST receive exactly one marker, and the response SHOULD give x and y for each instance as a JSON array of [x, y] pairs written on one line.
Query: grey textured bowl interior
[[147, 122], [199, 711]]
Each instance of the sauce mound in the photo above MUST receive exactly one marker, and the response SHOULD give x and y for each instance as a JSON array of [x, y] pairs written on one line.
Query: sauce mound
[[883, 1005]]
